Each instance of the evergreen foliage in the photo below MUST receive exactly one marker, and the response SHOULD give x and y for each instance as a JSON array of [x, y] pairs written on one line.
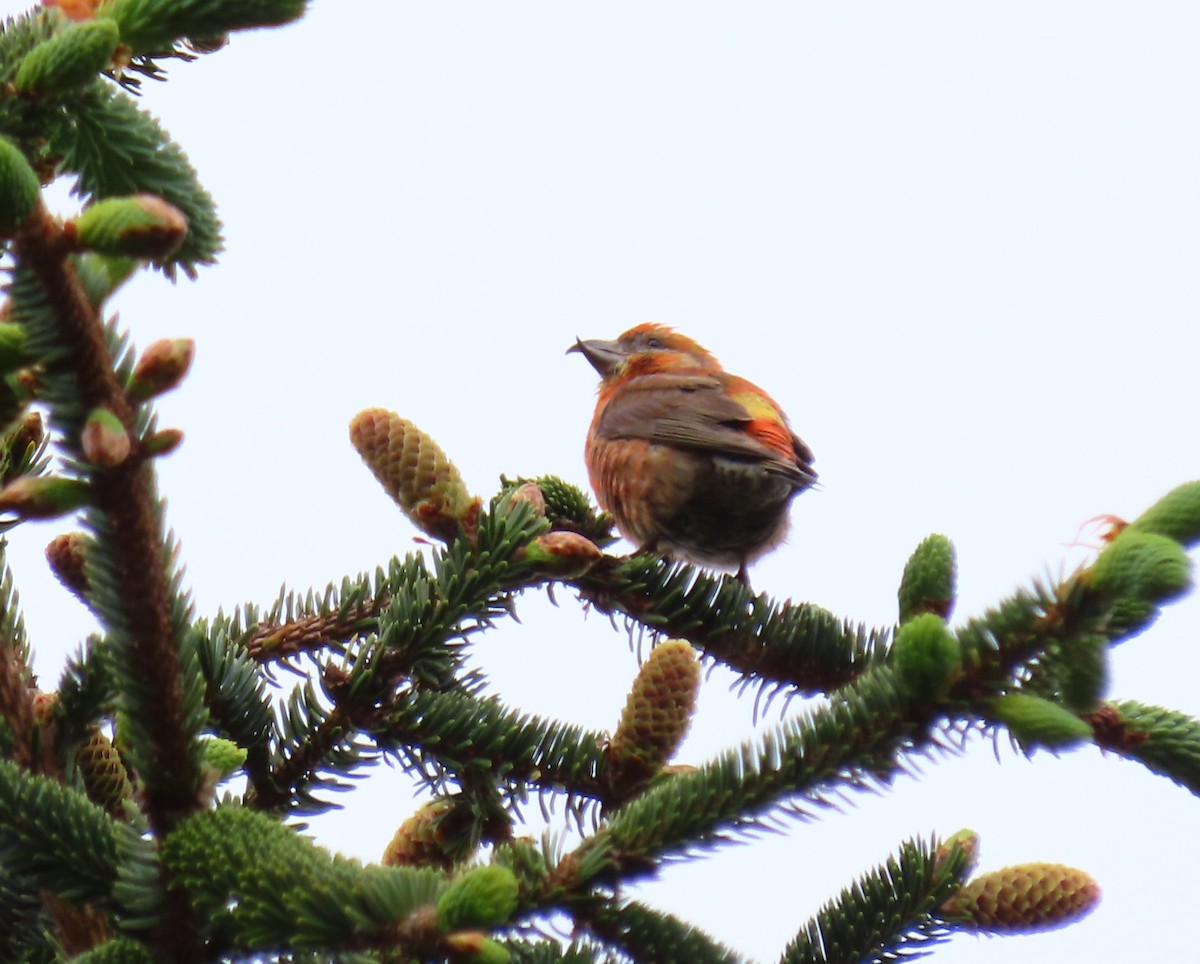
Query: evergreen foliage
[[113, 845]]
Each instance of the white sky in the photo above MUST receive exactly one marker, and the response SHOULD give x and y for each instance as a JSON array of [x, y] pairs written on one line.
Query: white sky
[[956, 242]]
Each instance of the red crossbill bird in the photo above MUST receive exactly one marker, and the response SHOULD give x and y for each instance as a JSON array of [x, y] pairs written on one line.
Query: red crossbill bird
[[692, 462]]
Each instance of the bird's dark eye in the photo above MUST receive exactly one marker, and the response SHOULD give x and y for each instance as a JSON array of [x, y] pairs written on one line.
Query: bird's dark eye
[[653, 343]]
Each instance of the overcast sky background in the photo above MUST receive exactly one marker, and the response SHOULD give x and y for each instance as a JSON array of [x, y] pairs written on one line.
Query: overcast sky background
[[958, 243]]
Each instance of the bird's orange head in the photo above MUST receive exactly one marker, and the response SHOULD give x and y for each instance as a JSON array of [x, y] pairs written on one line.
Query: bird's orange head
[[645, 349]]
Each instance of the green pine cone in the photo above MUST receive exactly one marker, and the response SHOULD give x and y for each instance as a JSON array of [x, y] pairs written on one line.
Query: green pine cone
[[1176, 515], [19, 187], [422, 841], [482, 897], [71, 58], [929, 583], [1039, 722], [415, 471], [656, 718], [928, 657], [1024, 899], [103, 773]]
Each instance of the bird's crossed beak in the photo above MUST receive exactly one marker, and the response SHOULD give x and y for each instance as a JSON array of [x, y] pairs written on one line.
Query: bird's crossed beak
[[605, 356]]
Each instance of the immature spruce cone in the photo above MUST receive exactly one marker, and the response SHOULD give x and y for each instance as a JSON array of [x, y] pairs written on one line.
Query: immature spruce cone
[[103, 773], [656, 717], [421, 840], [415, 472], [1024, 899]]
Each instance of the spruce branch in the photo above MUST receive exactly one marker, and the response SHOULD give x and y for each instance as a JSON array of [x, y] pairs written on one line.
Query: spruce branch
[[416, 645], [551, 952], [314, 747], [116, 149], [20, 117], [56, 837], [151, 26], [889, 914], [260, 883], [326, 745], [132, 568], [645, 934], [132, 574], [859, 740], [86, 689], [18, 686], [179, 880], [238, 706], [1165, 741], [799, 647], [24, 920], [441, 734], [309, 632]]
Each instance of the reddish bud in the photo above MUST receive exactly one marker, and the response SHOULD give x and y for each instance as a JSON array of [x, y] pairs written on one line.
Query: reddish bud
[[161, 367], [24, 439], [163, 442], [139, 226], [207, 45], [45, 709], [474, 947], [104, 440], [966, 840], [43, 498], [563, 555], [67, 557], [530, 492]]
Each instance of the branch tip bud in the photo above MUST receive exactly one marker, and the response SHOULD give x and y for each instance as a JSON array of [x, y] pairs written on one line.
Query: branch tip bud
[[138, 226]]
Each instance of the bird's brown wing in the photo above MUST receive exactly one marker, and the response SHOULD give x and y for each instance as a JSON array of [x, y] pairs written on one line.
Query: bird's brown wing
[[693, 411]]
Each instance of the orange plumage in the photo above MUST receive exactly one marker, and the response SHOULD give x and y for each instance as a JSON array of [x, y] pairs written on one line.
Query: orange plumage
[[691, 461]]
